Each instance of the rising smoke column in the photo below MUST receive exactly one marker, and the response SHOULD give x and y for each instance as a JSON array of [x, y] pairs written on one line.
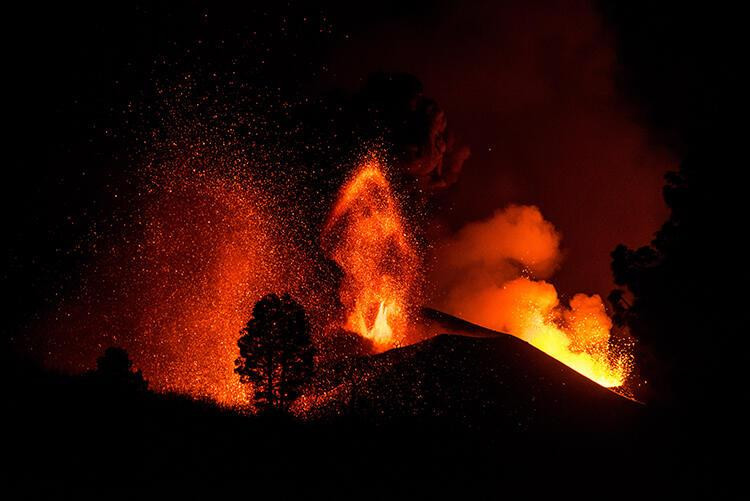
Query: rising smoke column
[[367, 238], [491, 272]]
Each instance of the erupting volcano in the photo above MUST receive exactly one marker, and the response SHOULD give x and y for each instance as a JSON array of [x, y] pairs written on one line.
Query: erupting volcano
[[367, 237], [460, 250], [206, 246]]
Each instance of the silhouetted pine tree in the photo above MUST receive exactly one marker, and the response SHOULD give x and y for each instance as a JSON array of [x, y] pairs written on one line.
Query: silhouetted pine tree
[[276, 352]]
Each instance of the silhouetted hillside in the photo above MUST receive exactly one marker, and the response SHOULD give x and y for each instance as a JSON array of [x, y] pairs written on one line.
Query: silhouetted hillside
[[449, 417], [476, 376], [502, 381]]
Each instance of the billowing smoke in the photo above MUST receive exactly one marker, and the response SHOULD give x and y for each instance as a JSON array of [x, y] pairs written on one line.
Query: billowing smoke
[[491, 272], [414, 127], [532, 88], [391, 112], [485, 254]]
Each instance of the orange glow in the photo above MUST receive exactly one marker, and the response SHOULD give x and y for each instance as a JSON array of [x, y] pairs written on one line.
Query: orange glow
[[177, 290], [208, 255], [479, 274], [366, 236], [381, 332], [577, 336]]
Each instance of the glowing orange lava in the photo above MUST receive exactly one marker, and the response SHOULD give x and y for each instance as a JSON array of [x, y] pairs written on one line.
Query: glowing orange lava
[[366, 236], [479, 272], [577, 335]]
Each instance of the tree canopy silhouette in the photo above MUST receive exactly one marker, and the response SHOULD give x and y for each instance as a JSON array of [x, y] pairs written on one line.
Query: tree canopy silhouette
[[115, 369], [678, 300], [678, 294], [276, 352]]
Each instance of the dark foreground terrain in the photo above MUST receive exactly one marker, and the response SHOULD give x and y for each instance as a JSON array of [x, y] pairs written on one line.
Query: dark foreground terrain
[[485, 417]]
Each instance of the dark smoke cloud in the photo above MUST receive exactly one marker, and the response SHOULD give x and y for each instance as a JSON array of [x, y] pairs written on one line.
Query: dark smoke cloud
[[531, 88], [391, 113], [415, 128]]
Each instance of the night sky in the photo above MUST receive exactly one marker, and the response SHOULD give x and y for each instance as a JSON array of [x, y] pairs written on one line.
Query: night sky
[[530, 87], [505, 237], [536, 91]]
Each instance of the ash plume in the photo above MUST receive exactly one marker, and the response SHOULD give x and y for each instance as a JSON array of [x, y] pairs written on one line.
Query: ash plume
[[485, 254]]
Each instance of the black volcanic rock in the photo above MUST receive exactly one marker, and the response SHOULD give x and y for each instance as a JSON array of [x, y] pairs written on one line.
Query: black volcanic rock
[[482, 378]]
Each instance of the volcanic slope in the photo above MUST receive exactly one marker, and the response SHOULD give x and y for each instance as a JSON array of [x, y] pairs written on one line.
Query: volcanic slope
[[478, 376]]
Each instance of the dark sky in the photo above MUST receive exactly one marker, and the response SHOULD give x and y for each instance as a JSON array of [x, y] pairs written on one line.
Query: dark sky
[[529, 86]]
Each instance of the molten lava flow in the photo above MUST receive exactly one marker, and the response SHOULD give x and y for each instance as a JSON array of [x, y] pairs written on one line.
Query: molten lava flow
[[366, 236], [577, 335], [479, 271]]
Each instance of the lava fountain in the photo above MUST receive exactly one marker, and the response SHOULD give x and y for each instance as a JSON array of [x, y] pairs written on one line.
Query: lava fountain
[[367, 238]]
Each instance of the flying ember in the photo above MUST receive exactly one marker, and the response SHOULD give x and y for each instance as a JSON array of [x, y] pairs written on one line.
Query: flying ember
[[176, 292]]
